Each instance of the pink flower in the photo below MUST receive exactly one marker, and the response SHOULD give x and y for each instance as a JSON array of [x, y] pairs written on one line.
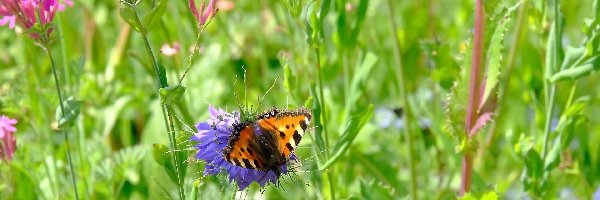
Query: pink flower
[[25, 12], [7, 139], [205, 12], [169, 50]]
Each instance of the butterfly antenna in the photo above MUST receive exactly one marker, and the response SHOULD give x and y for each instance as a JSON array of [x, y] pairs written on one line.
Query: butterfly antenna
[[237, 99], [245, 87], [272, 86]]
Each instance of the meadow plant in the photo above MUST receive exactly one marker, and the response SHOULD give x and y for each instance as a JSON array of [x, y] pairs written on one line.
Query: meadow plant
[[31, 14], [213, 137], [441, 99], [7, 136]]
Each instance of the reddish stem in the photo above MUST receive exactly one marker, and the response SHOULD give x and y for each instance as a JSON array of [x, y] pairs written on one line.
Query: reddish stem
[[474, 93], [467, 167]]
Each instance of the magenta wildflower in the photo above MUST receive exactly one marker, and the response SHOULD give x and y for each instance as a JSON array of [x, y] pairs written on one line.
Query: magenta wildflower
[[25, 13], [205, 12], [213, 137], [7, 138]]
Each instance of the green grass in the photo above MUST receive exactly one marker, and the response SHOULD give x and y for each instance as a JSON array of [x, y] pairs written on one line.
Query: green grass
[[352, 62]]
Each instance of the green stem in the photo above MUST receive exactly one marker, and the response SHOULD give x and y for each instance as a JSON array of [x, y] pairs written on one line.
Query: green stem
[[551, 87], [62, 109], [324, 117], [549, 114], [165, 109], [322, 98], [404, 101]]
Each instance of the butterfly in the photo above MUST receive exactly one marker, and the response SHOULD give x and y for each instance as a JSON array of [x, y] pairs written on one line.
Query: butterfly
[[268, 142]]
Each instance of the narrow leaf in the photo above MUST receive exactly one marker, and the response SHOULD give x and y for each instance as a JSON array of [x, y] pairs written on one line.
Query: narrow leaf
[[587, 67], [361, 75], [155, 15], [494, 57], [172, 94], [128, 14], [352, 129], [554, 52]]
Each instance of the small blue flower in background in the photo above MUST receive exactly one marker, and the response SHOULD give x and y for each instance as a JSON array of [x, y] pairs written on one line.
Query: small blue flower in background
[[597, 194], [213, 137], [567, 193]]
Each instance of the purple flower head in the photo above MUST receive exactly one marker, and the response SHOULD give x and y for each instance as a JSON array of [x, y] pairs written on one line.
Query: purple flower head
[[213, 137], [7, 138], [25, 13]]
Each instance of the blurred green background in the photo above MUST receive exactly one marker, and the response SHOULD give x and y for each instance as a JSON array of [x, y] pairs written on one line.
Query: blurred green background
[[103, 62]]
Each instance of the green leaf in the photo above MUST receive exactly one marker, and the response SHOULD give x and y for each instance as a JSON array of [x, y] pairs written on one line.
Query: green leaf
[[311, 24], [352, 129], [494, 57], [159, 154], [585, 68], [317, 109], [72, 108], [294, 7], [289, 80], [172, 94], [554, 50], [162, 76], [456, 104], [155, 15], [361, 14], [534, 164], [163, 157], [360, 76], [128, 14], [553, 158]]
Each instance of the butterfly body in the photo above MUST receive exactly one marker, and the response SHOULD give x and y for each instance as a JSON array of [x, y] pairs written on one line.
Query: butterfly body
[[268, 142]]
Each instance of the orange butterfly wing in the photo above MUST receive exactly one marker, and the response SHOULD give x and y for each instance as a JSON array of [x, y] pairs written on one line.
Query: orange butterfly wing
[[239, 151], [287, 126]]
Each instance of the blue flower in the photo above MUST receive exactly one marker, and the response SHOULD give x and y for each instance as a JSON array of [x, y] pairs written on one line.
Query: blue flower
[[213, 137]]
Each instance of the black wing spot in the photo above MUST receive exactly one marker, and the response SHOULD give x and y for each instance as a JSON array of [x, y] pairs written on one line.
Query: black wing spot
[[287, 126], [303, 124], [250, 152], [282, 134], [247, 163], [289, 146], [237, 162], [297, 137]]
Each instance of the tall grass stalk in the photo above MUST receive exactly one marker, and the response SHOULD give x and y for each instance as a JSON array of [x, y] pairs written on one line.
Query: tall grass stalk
[[551, 87], [45, 46], [324, 118], [166, 111], [474, 94], [404, 100]]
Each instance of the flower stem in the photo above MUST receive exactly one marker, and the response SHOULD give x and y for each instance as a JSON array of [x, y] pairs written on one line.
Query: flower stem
[[408, 120], [324, 117], [322, 98], [549, 113], [166, 111], [62, 109], [551, 87], [474, 95]]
